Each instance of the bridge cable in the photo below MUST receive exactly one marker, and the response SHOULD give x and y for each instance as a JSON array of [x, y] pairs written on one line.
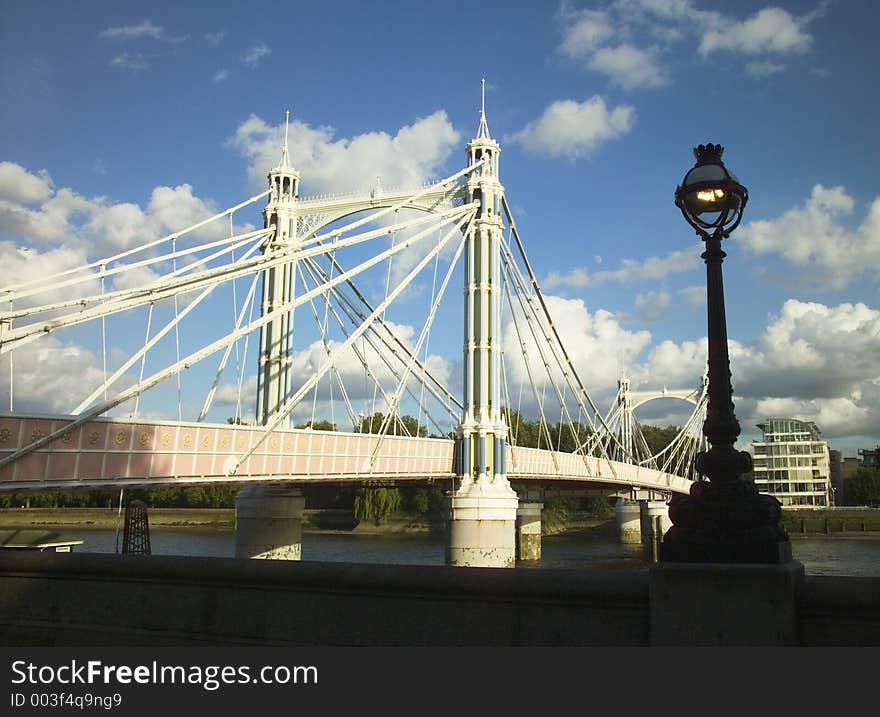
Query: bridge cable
[[351, 312], [306, 387]]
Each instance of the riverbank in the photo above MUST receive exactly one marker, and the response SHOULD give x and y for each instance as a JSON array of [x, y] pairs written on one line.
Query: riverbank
[[314, 521]]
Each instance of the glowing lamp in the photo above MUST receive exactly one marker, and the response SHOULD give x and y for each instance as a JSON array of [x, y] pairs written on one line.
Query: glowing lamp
[[710, 196]]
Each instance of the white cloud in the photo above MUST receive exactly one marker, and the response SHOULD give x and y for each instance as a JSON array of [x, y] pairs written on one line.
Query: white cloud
[[587, 30], [414, 155], [126, 61], [44, 230], [694, 295], [574, 129], [764, 69], [815, 239], [648, 269], [127, 32], [253, 56], [214, 38], [19, 185], [597, 343], [813, 362], [627, 40], [220, 75], [42, 380], [628, 66], [653, 305], [770, 30]]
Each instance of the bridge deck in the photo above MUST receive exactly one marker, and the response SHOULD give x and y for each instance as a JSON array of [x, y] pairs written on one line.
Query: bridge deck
[[108, 452]]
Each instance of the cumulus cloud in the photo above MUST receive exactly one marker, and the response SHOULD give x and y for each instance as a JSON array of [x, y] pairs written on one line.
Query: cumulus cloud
[[694, 295], [648, 269], [45, 230], [628, 66], [42, 377], [628, 40], [572, 129], [411, 156], [770, 30], [220, 76], [813, 362], [597, 343], [816, 239], [653, 305]]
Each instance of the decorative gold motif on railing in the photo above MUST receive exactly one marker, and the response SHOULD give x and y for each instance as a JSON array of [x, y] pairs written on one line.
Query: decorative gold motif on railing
[[187, 440], [166, 440], [67, 437], [36, 435], [120, 438], [93, 437], [144, 439], [4, 434]]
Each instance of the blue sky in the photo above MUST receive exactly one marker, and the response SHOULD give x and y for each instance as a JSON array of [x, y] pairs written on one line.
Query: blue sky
[[596, 106]]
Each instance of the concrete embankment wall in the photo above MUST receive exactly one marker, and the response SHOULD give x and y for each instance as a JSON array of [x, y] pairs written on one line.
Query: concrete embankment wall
[[83, 599]]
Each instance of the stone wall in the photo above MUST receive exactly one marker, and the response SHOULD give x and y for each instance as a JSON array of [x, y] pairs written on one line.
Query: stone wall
[[90, 600]]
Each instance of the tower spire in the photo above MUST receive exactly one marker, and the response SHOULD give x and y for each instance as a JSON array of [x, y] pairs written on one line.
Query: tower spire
[[285, 156], [483, 131]]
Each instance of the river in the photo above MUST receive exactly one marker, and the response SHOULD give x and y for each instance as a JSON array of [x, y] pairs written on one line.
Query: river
[[820, 555]]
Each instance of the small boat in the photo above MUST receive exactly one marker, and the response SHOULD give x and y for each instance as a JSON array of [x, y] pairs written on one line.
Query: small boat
[[44, 541]]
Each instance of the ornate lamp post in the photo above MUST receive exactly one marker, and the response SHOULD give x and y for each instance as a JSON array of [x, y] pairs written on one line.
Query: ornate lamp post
[[724, 520]]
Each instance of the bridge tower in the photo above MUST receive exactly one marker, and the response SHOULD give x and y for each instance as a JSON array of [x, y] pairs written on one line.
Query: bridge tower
[[483, 509], [624, 400], [268, 518]]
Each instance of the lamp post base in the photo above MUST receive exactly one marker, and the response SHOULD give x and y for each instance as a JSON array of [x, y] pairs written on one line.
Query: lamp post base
[[725, 522]]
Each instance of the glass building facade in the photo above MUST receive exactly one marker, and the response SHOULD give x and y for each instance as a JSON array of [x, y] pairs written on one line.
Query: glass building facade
[[792, 463]]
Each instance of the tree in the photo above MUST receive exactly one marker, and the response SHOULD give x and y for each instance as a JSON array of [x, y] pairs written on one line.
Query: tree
[[397, 426], [658, 438], [374, 502], [864, 487]]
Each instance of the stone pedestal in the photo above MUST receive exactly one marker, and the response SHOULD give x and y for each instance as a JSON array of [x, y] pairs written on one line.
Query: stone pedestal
[[482, 529], [724, 604], [654, 522], [627, 516], [268, 522], [528, 531]]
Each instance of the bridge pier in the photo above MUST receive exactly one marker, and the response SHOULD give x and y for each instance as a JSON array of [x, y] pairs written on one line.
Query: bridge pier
[[627, 516], [268, 522], [654, 522], [482, 530], [528, 531]]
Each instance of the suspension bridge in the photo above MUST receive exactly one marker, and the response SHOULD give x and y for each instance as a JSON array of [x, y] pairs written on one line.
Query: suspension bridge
[[337, 302]]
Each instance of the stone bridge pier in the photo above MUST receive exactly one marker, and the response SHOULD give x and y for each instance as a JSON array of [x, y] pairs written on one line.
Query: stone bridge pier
[[268, 522]]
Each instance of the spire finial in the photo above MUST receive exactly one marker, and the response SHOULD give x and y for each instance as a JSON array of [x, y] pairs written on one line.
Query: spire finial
[[285, 156], [483, 132]]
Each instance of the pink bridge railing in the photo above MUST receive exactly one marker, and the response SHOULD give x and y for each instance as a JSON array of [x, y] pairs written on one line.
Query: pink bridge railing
[[122, 451]]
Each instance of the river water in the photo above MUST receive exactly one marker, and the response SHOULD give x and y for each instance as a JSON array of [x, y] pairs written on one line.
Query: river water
[[820, 555]]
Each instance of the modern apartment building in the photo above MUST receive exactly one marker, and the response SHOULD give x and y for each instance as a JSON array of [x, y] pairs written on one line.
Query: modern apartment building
[[792, 463]]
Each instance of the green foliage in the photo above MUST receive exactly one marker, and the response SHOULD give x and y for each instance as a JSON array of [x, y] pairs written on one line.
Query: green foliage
[[318, 425], [562, 436], [658, 438], [599, 506], [397, 426], [375, 503], [864, 487]]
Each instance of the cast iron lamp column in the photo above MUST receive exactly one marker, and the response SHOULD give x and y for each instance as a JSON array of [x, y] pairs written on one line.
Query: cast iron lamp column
[[724, 520]]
